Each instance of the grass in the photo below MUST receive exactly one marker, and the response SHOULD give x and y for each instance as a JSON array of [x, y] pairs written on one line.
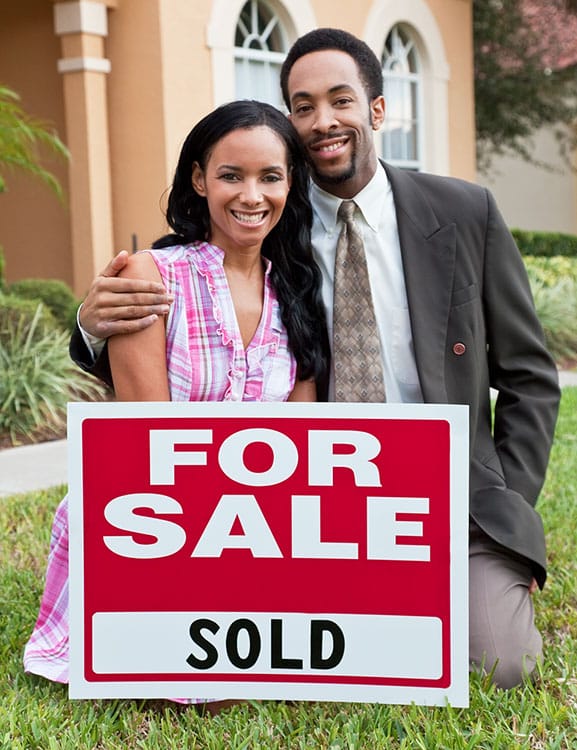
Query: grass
[[37, 715]]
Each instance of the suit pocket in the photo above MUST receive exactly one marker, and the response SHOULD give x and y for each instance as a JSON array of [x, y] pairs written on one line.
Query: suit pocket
[[464, 295]]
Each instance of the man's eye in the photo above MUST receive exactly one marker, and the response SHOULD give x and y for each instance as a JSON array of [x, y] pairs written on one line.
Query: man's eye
[[302, 109], [343, 102]]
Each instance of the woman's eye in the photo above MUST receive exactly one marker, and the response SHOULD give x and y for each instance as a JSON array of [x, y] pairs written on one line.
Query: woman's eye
[[229, 176], [272, 178]]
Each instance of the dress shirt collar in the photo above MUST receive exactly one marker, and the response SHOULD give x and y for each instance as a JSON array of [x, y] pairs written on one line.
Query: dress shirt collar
[[369, 201]]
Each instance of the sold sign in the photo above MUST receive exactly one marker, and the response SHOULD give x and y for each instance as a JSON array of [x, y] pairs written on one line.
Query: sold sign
[[292, 551]]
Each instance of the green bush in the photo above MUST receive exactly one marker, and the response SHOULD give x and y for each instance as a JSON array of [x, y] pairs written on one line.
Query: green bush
[[545, 243], [554, 286], [55, 294], [14, 310], [37, 379]]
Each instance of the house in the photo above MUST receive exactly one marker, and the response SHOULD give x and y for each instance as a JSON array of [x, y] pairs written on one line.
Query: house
[[123, 81], [530, 196]]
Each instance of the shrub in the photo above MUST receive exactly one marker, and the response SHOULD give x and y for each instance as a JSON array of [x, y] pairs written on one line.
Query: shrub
[[554, 286], [37, 379], [15, 311], [55, 294], [545, 243]]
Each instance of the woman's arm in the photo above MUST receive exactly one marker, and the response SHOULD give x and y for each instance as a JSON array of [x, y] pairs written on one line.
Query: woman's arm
[[304, 390], [138, 360]]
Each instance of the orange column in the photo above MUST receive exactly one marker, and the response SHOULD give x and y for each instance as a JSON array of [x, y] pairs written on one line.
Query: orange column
[[82, 27]]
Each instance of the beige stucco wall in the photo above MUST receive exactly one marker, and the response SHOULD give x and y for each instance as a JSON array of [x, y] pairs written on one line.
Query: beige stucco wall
[[34, 226], [157, 89], [455, 21], [534, 198]]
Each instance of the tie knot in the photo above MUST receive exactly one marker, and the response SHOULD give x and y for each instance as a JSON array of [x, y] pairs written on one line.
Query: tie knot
[[346, 211]]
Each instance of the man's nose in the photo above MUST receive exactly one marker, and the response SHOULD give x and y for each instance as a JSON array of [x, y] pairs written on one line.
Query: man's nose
[[325, 119]]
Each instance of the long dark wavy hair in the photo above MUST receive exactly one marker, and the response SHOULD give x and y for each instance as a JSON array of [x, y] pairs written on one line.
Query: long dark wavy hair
[[294, 274]]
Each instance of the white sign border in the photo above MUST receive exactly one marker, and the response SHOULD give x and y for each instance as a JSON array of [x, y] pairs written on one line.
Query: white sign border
[[457, 694]]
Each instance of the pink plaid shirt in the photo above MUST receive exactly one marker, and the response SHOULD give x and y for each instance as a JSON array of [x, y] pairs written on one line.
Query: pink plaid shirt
[[206, 358]]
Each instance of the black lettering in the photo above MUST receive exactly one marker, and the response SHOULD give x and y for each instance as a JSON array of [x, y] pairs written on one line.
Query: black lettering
[[232, 643], [200, 640], [277, 660], [318, 628]]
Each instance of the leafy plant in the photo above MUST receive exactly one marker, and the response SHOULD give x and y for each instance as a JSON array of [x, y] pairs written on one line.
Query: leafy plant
[[16, 310], [54, 293], [20, 135], [37, 379], [554, 286]]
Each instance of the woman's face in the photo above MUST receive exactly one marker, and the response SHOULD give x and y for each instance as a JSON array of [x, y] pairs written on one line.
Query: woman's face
[[246, 182]]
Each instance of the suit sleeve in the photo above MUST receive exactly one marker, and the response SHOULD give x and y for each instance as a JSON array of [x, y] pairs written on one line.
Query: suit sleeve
[[520, 367], [80, 354]]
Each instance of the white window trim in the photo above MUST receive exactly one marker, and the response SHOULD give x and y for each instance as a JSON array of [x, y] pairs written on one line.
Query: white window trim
[[435, 72], [220, 36]]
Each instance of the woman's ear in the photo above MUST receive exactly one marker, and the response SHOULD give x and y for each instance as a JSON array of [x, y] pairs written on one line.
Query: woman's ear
[[198, 179]]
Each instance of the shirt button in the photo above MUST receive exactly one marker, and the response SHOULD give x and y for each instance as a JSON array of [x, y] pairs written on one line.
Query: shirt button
[[459, 348]]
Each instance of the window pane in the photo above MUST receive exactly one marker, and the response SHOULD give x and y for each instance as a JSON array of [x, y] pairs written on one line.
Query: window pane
[[402, 83], [259, 42]]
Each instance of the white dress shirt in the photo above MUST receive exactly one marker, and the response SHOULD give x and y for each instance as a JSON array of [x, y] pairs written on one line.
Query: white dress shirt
[[376, 220]]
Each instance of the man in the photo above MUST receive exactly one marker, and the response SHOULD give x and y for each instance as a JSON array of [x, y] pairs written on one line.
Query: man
[[454, 314]]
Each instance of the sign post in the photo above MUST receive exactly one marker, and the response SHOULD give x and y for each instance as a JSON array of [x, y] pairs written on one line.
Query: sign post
[[281, 551]]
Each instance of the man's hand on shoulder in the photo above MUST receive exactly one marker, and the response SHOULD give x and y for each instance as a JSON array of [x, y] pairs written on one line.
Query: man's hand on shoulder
[[116, 305]]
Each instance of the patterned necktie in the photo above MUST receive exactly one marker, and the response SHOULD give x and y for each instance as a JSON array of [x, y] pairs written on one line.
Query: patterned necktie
[[357, 358]]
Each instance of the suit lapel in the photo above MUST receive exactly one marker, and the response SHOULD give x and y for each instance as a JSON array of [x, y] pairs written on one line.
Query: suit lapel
[[428, 252]]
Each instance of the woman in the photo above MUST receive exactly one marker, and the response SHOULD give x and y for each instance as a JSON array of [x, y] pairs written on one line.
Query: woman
[[247, 322], [241, 219]]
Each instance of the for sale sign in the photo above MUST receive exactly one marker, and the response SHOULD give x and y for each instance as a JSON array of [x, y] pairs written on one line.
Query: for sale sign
[[296, 551]]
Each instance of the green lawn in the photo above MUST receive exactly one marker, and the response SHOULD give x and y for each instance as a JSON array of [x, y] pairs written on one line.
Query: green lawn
[[37, 714]]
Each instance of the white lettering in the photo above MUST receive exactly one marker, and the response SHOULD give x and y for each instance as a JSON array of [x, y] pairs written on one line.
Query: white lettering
[[285, 457], [306, 532], [257, 534], [383, 528], [170, 537], [323, 459], [163, 457]]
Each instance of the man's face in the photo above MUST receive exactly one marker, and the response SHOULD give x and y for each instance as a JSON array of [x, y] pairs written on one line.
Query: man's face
[[331, 111]]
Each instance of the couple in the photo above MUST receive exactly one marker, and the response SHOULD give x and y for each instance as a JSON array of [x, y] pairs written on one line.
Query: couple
[[452, 305]]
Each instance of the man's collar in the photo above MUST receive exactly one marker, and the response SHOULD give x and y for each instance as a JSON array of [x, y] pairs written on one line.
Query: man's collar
[[369, 201]]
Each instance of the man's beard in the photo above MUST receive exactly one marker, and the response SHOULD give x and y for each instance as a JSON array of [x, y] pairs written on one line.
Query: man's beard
[[335, 179]]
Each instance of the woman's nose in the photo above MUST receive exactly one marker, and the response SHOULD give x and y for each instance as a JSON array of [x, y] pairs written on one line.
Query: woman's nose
[[251, 193]]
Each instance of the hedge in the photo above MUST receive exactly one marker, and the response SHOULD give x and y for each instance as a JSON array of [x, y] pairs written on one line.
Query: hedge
[[546, 244], [54, 293]]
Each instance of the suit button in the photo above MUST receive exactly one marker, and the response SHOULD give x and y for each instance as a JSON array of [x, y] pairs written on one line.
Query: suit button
[[459, 348]]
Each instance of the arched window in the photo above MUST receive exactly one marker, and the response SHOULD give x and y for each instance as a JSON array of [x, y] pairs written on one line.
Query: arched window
[[260, 48], [402, 130]]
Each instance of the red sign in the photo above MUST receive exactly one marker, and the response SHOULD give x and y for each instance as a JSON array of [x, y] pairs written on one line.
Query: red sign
[[274, 551]]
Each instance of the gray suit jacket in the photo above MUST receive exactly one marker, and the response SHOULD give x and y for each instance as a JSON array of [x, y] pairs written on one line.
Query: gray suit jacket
[[474, 327]]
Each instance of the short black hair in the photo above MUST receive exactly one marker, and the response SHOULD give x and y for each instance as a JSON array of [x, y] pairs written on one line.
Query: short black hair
[[369, 67]]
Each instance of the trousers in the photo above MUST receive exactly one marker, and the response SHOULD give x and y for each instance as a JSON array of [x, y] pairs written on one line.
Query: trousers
[[503, 637]]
